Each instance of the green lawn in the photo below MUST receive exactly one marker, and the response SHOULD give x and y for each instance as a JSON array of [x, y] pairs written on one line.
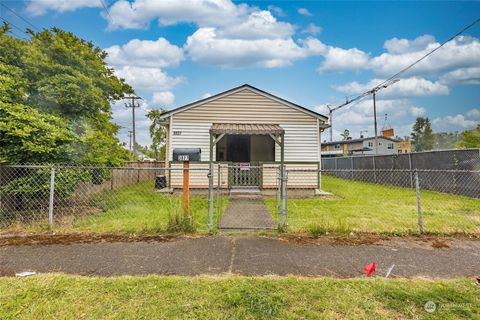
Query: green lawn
[[234, 297], [364, 207], [354, 207], [139, 209]]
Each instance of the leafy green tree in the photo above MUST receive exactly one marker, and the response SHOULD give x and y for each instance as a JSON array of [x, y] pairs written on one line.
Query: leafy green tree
[[470, 138], [65, 79], [446, 140], [422, 135], [157, 133], [29, 136]]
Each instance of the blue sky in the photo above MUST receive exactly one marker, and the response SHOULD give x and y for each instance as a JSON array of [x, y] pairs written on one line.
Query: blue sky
[[310, 52]]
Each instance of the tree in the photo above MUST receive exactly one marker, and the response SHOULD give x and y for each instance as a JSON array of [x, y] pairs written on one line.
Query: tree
[[29, 136], [157, 133], [345, 134], [422, 135], [470, 138], [65, 80], [446, 140]]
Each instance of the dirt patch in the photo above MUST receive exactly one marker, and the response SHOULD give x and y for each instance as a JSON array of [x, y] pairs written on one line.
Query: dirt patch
[[6, 272], [358, 239], [439, 244], [71, 238]]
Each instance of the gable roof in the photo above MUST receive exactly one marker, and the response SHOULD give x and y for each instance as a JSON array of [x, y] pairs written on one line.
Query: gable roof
[[240, 88]]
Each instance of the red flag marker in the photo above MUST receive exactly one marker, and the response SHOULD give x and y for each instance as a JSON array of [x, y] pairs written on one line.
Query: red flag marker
[[369, 269]]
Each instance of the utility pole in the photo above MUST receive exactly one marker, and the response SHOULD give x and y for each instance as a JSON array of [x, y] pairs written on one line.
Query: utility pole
[[330, 116], [374, 92], [130, 141], [375, 120], [133, 105]]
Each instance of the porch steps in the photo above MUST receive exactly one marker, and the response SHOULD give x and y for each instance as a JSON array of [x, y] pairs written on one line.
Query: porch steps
[[245, 193]]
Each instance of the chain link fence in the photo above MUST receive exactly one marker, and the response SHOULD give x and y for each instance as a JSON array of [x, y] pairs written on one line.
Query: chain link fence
[[239, 197], [100, 199], [386, 201]]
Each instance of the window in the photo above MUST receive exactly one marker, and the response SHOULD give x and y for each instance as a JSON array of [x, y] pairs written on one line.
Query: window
[[390, 146], [337, 146], [370, 144]]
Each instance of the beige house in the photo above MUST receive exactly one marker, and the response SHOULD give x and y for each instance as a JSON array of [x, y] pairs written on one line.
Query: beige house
[[249, 128]]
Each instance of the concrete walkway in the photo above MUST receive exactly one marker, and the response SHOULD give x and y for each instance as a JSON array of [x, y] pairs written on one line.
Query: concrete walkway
[[246, 212], [245, 255]]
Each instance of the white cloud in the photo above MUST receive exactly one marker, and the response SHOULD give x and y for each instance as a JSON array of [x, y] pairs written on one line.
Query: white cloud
[[139, 13], [312, 29], [338, 60], [206, 47], [163, 98], [462, 76], [304, 12], [40, 7], [474, 114], [150, 79], [453, 123], [462, 52], [145, 53], [410, 87], [206, 95], [258, 25], [400, 46], [277, 11]]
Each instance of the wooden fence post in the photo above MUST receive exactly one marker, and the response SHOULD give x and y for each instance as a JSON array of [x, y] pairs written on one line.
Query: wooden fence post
[[186, 189]]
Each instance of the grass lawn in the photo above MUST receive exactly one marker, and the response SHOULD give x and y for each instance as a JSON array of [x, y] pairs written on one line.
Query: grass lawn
[[139, 209], [365, 207], [234, 297]]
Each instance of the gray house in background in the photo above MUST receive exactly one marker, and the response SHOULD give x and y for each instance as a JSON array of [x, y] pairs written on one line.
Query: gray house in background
[[362, 146]]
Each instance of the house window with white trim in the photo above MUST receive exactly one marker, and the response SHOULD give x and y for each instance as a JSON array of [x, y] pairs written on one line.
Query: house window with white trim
[[390, 146], [370, 144]]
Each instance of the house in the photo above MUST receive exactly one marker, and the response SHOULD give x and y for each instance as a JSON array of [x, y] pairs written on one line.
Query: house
[[404, 146], [361, 146], [246, 127]]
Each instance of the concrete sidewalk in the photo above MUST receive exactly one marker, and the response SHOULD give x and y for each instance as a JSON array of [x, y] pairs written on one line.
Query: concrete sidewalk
[[245, 255]]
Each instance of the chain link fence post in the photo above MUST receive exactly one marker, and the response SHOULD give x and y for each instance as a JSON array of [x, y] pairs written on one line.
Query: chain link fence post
[[210, 197], [419, 205], [284, 199], [52, 197]]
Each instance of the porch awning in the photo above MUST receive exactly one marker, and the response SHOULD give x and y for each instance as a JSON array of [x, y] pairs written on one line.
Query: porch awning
[[246, 128]]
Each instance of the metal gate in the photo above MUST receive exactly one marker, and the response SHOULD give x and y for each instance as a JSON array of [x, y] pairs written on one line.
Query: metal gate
[[244, 175]]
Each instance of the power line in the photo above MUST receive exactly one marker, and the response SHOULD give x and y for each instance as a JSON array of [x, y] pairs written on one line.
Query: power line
[[106, 8], [17, 35], [391, 80], [11, 24], [19, 16], [429, 53]]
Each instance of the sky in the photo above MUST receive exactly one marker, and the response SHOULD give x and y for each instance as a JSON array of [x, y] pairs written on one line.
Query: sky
[[313, 53]]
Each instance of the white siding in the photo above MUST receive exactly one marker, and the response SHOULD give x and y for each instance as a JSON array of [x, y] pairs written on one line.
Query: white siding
[[246, 106], [193, 135], [301, 143]]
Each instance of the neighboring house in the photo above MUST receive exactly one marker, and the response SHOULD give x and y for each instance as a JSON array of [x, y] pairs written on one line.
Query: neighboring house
[[247, 127], [404, 146], [362, 146]]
